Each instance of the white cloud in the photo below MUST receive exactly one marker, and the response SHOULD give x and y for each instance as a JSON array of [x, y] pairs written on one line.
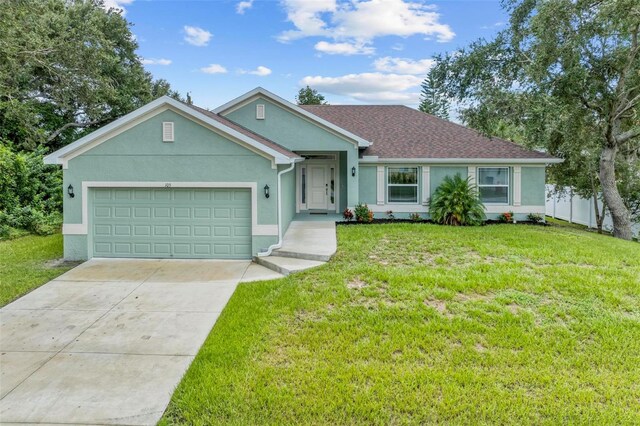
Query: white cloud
[[196, 36], [492, 26], [261, 71], [346, 49], [363, 20], [398, 46], [306, 17], [117, 4], [243, 6], [369, 87], [153, 61], [214, 69], [403, 65]]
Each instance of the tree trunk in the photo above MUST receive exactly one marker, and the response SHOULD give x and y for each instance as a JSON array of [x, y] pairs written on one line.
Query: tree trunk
[[619, 212], [599, 216]]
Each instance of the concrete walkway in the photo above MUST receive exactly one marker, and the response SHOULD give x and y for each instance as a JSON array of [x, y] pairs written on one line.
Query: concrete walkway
[[306, 244], [108, 342]]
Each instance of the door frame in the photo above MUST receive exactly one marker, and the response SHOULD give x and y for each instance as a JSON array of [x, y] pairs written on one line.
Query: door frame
[[330, 163]]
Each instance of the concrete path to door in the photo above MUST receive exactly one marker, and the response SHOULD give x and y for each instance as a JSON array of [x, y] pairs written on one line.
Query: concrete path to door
[[108, 341]]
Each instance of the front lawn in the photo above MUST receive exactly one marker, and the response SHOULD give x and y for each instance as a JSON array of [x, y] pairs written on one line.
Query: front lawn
[[417, 323], [25, 264]]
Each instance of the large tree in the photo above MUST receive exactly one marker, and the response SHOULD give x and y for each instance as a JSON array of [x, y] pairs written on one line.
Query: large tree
[[66, 68], [309, 96], [433, 100], [565, 76]]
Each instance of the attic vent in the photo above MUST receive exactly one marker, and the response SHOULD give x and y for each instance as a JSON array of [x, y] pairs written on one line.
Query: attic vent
[[260, 112], [167, 131]]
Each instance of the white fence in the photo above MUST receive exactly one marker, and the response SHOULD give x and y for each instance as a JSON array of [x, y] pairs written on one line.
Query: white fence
[[575, 209]]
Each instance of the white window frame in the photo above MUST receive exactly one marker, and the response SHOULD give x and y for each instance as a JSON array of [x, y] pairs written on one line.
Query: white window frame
[[416, 185], [508, 184]]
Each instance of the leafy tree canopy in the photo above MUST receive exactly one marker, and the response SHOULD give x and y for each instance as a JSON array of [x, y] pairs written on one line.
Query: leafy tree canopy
[[309, 96], [66, 68], [433, 100], [564, 77]]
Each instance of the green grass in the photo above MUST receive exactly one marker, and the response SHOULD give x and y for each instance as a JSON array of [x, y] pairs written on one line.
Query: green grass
[[417, 323], [23, 264]]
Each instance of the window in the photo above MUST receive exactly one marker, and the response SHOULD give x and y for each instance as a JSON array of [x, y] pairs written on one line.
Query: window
[[402, 185], [333, 186], [167, 131], [493, 185], [303, 179]]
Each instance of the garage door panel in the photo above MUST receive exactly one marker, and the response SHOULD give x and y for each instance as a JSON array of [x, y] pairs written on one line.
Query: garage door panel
[[171, 223], [202, 213]]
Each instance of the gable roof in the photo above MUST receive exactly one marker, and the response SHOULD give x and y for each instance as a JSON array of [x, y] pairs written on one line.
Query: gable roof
[[259, 91], [235, 126], [279, 154], [400, 132]]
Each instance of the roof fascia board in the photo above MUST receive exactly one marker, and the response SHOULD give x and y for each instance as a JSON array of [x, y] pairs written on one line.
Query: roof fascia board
[[462, 160], [248, 97]]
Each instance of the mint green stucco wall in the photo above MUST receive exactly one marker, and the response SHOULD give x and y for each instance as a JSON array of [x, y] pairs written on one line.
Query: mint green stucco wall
[[533, 186], [197, 155], [301, 135], [438, 173], [368, 184], [288, 197]]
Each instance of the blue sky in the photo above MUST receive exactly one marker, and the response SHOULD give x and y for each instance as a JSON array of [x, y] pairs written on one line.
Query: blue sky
[[358, 51]]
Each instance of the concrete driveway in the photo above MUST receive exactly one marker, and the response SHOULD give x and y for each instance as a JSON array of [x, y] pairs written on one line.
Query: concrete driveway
[[108, 341]]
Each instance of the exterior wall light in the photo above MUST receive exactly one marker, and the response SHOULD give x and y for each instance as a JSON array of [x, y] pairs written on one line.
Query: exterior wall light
[[70, 191], [353, 171], [266, 191]]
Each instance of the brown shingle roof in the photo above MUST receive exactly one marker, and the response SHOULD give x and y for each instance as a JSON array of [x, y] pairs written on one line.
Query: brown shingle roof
[[397, 131], [245, 131]]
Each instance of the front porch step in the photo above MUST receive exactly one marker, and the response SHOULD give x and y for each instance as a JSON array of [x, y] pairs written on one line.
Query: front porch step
[[299, 255], [286, 265]]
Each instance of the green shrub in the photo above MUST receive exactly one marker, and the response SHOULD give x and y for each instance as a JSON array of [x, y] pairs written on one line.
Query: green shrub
[[32, 220], [30, 192], [363, 214], [415, 217], [535, 218], [456, 202], [5, 231]]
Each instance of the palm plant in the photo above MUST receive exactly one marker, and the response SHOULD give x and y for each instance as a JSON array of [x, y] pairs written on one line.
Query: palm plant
[[455, 202]]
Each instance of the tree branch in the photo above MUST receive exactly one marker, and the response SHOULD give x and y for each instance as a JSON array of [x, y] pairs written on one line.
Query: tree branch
[[629, 134], [55, 134]]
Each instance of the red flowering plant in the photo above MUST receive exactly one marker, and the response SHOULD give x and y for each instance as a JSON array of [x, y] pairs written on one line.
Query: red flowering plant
[[506, 217]]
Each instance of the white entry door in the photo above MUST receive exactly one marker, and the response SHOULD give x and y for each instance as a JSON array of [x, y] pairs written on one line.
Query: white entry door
[[318, 187]]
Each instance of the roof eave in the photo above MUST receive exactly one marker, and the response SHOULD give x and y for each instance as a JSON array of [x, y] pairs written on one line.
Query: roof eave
[[373, 160]]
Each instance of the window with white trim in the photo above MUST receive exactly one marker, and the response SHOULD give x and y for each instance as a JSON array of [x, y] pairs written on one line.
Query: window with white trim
[[493, 185], [402, 185]]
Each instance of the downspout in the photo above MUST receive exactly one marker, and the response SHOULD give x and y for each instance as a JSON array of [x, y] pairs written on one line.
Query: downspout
[[279, 207]]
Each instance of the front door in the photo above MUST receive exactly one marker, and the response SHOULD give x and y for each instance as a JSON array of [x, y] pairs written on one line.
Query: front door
[[318, 187]]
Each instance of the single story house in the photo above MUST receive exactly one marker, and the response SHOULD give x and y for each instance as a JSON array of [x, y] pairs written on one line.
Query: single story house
[[172, 180]]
